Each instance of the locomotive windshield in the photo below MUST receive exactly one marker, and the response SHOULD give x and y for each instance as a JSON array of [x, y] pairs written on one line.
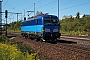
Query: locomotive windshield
[[51, 21]]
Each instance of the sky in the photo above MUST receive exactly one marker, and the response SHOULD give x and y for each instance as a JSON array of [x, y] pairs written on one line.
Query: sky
[[66, 7]]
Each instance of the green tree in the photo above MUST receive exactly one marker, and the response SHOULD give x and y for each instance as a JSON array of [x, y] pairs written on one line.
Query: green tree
[[76, 25], [78, 15], [83, 15]]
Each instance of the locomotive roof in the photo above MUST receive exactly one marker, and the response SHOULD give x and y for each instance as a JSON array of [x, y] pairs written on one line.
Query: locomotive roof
[[42, 16], [46, 16]]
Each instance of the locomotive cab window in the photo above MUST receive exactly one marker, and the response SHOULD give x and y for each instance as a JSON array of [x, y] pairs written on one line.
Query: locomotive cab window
[[54, 21], [51, 21]]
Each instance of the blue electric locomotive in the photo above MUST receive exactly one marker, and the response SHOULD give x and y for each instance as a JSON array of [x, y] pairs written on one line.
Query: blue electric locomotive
[[44, 27]]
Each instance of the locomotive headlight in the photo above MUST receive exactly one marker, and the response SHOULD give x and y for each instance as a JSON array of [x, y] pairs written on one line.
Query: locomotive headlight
[[47, 30], [58, 29], [55, 30], [43, 30]]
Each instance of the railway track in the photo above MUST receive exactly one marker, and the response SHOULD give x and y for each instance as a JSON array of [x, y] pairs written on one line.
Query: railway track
[[66, 50], [72, 39], [69, 39], [79, 39]]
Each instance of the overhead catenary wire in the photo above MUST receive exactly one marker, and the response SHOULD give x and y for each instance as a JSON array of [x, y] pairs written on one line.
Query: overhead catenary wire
[[6, 1], [61, 5], [45, 4], [53, 2], [25, 9], [32, 4], [67, 2], [56, 7], [75, 5], [52, 7], [10, 6], [48, 4]]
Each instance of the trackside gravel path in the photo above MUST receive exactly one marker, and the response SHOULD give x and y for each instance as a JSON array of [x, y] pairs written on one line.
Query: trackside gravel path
[[59, 51]]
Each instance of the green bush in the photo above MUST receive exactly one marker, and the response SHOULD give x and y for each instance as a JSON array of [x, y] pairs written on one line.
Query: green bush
[[15, 51], [11, 52], [5, 40]]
